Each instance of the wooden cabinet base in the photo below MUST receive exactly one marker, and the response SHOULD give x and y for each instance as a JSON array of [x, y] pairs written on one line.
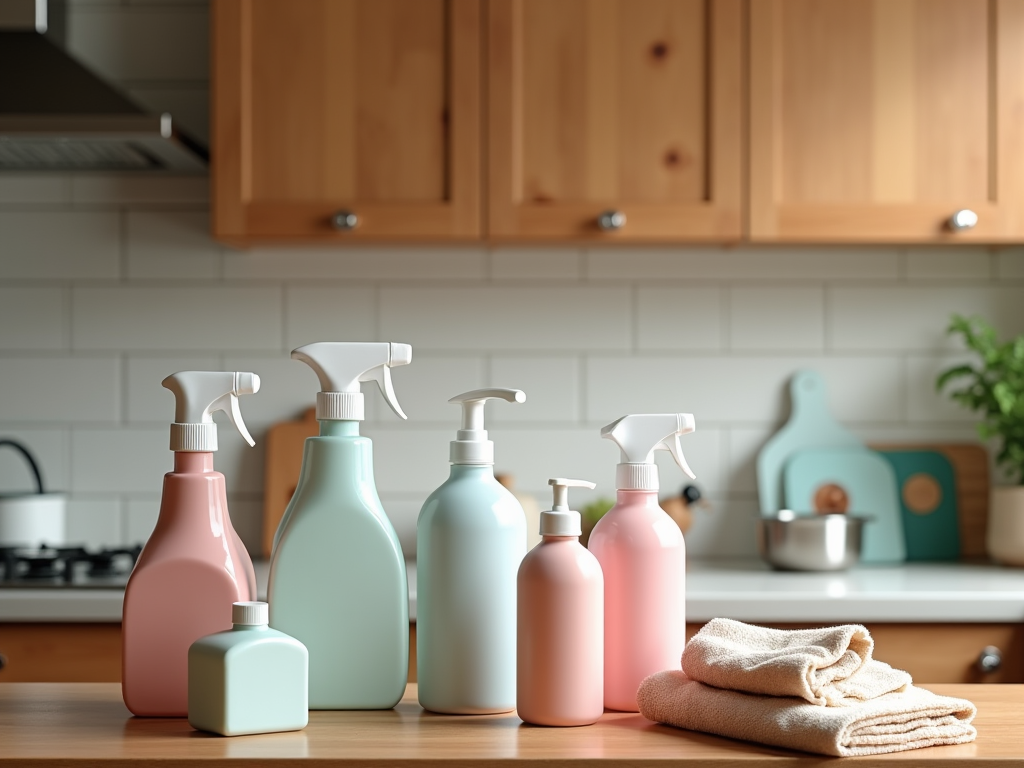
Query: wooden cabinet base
[[60, 653]]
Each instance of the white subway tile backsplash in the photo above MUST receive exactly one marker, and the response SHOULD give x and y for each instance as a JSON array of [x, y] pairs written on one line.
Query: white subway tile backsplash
[[49, 448], [140, 514], [287, 388], [59, 245], [742, 445], [739, 389], [745, 263], [1010, 264], [425, 386], [182, 318], [356, 263], [148, 401], [924, 403], [410, 461], [726, 529], [915, 318], [120, 460], [532, 456], [403, 513], [143, 190], [958, 263], [680, 318], [247, 519], [536, 263], [551, 384], [33, 318], [334, 313], [139, 43], [60, 389], [241, 464], [33, 189], [94, 522], [171, 244], [507, 318], [777, 318]]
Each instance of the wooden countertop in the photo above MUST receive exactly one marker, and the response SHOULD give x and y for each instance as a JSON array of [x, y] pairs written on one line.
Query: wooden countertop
[[86, 723]]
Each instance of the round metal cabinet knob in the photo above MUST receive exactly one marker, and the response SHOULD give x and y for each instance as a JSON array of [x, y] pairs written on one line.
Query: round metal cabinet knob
[[989, 660], [963, 219], [609, 221], [344, 221]]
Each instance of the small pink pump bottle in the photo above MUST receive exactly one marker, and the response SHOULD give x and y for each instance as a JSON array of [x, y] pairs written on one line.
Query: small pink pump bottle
[[560, 649], [194, 566], [643, 557]]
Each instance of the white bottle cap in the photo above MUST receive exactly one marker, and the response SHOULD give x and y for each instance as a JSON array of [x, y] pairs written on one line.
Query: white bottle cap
[[250, 614], [560, 520], [471, 445]]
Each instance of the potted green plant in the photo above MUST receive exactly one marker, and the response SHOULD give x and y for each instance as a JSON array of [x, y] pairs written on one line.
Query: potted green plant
[[994, 387]]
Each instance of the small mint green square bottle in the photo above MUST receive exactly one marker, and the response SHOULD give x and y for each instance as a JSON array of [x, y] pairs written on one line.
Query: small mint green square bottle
[[249, 679]]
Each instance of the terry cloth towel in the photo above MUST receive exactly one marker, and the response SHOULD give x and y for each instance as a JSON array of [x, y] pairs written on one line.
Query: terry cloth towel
[[831, 666], [890, 723]]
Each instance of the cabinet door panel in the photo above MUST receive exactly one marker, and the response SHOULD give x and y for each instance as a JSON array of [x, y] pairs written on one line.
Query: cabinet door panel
[[614, 104], [363, 105], [876, 120]]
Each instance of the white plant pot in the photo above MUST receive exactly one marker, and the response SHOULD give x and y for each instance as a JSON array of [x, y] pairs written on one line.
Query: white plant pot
[[1006, 525]]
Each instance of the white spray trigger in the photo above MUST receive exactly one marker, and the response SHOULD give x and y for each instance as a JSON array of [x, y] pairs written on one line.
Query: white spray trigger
[[673, 447], [382, 375], [229, 404], [198, 394]]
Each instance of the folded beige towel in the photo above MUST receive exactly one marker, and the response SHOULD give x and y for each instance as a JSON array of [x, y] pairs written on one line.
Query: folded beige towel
[[830, 666], [890, 723]]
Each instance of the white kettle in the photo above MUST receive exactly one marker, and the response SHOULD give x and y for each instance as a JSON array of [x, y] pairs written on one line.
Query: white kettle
[[31, 519]]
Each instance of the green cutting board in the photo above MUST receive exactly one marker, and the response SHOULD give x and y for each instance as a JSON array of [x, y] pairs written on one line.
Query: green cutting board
[[926, 482], [868, 481]]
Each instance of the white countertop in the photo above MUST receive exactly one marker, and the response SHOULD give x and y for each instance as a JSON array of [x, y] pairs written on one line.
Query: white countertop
[[745, 590]]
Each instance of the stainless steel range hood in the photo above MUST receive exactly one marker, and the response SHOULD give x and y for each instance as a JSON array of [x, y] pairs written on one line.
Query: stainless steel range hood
[[56, 115]]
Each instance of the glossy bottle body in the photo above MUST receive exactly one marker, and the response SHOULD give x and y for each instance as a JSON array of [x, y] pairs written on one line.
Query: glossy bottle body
[[337, 576], [188, 575], [643, 558], [249, 679], [560, 646], [470, 541]]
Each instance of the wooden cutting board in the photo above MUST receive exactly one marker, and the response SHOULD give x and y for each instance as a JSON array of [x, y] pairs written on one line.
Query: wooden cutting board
[[970, 465], [281, 474]]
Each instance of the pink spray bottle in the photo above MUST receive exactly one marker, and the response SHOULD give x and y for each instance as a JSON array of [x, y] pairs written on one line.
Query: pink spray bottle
[[194, 566], [642, 555]]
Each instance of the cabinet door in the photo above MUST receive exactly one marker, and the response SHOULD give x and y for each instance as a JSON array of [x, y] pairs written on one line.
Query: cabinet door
[[877, 120], [368, 107], [614, 105]]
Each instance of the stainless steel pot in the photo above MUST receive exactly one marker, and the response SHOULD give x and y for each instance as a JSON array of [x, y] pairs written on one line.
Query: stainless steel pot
[[31, 519], [810, 543]]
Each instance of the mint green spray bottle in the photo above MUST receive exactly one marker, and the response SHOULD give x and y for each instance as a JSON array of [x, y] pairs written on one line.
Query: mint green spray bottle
[[337, 572]]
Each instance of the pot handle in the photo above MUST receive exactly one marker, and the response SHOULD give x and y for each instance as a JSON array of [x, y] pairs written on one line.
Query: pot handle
[[28, 458]]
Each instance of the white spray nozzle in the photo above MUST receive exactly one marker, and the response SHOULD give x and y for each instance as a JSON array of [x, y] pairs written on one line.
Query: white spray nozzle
[[638, 437], [560, 520], [197, 395], [342, 365], [471, 445]]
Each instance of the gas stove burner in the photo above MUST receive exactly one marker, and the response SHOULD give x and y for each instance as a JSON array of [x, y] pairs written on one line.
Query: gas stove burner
[[67, 566]]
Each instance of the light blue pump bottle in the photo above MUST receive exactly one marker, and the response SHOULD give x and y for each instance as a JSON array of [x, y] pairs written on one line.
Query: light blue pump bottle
[[470, 540], [337, 572]]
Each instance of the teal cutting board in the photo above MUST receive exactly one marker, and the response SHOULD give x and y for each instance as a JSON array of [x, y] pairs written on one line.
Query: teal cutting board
[[810, 425], [869, 483], [926, 482]]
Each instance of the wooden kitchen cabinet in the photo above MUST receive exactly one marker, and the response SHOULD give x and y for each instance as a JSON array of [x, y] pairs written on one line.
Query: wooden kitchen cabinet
[[876, 120], [628, 106], [60, 653], [346, 120]]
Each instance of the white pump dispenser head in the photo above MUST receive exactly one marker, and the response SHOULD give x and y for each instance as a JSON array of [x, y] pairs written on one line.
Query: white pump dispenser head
[[560, 520], [342, 365], [197, 395], [638, 437], [471, 445]]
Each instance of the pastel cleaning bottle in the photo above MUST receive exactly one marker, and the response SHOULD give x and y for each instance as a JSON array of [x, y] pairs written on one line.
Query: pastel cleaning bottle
[[560, 645], [643, 558], [337, 572], [470, 540], [249, 679], [194, 566]]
